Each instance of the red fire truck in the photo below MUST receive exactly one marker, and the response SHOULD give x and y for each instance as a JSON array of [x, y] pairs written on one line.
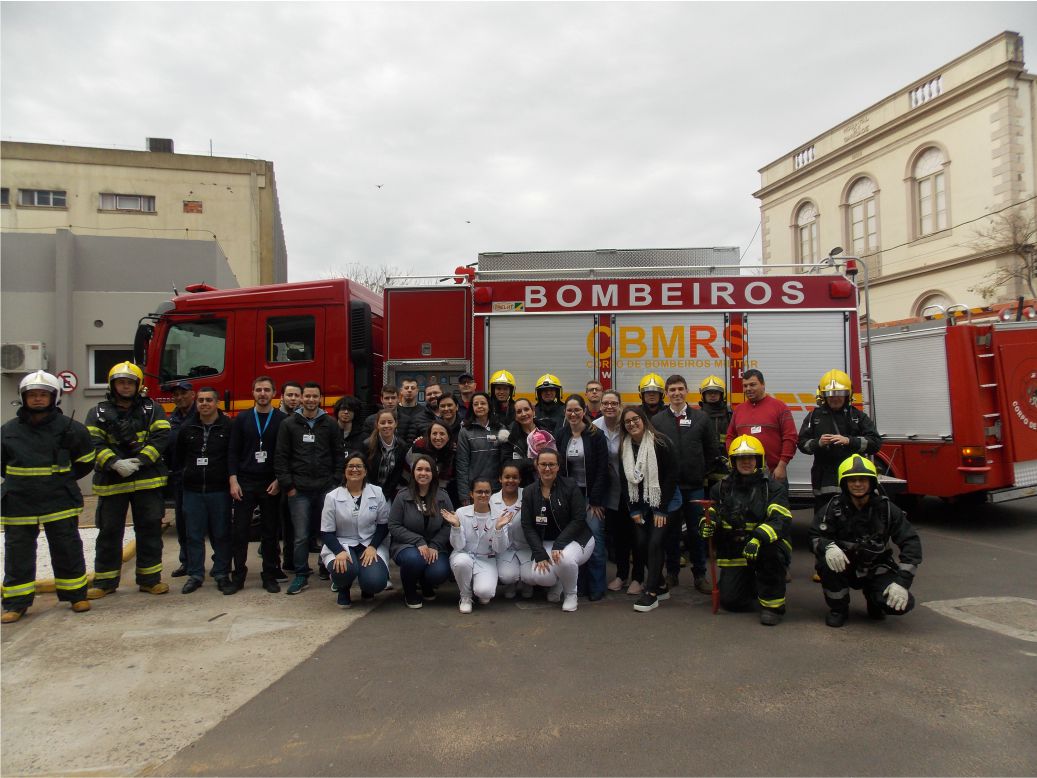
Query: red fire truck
[[616, 315], [326, 331], [956, 403]]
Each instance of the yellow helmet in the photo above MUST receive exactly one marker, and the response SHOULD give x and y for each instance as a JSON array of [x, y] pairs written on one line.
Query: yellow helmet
[[653, 382], [712, 384], [126, 370], [745, 446], [548, 381], [503, 377], [835, 383], [858, 466]]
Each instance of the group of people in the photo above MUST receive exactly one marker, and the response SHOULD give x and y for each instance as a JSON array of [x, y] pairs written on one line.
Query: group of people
[[497, 491]]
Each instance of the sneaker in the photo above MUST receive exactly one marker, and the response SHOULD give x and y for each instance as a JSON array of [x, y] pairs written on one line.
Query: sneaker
[[769, 618], [484, 600], [509, 591], [12, 616], [159, 588], [272, 586], [663, 593], [526, 591], [415, 603], [835, 618], [280, 575], [334, 586], [703, 585], [80, 606], [428, 595], [388, 587], [554, 594], [672, 580], [570, 603], [465, 606], [322, 573], [298, 584], [616, 584], [646, 602], [343, 599], [635, 588], [96, 593]]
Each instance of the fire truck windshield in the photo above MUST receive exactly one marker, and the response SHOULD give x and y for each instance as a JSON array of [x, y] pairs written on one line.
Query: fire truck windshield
[[194, 349]]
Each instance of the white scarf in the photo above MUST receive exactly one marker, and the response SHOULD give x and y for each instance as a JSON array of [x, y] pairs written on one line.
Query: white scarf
[[644, 470]]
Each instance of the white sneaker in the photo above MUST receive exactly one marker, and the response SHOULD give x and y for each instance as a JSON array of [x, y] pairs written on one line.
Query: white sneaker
[[484, 600], [635, 588], [465, 606], [554, 594], [509, 591], [526, 590], [570, 603]]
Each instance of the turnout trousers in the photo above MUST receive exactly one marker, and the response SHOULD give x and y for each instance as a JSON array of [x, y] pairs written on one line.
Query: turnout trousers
[[66, 554], [743, 584], [836, 588], [147, 506]]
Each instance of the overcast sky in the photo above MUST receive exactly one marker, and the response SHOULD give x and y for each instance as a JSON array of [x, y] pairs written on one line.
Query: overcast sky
[[489, 126]]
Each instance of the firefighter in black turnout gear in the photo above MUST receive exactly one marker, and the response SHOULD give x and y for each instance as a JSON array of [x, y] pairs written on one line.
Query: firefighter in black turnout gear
[[851, 540], [750, 519], [43, 454], [129, 432], [713, 402]]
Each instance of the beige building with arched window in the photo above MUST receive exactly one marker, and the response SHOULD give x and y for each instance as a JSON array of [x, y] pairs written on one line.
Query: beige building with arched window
[[933, 187]]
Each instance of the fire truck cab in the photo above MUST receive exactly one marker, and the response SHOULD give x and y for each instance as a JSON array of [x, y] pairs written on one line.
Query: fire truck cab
[[615, 315]]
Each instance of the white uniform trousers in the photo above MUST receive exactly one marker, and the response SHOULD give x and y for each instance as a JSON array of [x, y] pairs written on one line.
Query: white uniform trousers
[[565, 572], [509, 565], [475, 574]]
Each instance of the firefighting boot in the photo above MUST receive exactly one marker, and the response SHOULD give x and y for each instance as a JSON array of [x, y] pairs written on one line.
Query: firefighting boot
[[81, 606], [95, 593], [12, 616], [159, 588]]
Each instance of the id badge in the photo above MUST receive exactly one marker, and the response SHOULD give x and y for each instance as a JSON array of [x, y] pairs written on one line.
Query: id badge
[[756, 430], [261, 456], [542, 516], [516, 455], [308, 437], [201, 461], [685, 422]]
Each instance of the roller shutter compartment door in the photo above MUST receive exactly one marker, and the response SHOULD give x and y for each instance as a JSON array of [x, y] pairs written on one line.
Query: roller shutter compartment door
[[530, 346]]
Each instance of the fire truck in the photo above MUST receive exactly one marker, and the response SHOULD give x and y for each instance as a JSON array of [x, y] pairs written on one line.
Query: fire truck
[[328, 331], [956, 403], [616, 315]]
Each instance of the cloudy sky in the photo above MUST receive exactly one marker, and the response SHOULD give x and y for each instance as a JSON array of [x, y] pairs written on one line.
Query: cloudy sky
[[488, 126]]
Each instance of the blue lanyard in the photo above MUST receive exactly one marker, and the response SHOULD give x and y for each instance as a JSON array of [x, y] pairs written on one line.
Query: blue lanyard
[[263, 430]]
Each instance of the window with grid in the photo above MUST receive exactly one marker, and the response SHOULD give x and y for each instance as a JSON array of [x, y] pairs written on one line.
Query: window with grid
[[807, 233], [124, 202], [43, 198], [930, 192], [863, 211]]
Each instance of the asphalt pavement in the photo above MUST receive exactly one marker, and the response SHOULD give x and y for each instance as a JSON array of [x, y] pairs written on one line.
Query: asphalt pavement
[[520, 688]]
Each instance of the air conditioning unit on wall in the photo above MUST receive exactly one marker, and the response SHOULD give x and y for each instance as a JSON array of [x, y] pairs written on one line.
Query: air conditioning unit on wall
[[23, 357]]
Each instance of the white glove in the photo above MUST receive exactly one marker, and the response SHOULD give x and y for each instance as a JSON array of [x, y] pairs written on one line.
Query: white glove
[[835, 558], [126, 467], [896, 596]]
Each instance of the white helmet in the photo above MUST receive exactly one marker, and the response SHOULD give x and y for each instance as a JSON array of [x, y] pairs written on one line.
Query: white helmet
[[40, 380]]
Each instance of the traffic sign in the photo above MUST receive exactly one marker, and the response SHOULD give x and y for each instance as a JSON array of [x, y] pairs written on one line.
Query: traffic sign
[[69, 381]]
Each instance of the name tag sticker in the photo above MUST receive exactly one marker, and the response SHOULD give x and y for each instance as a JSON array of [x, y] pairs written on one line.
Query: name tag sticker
[[685, 422], [755, 430], [261, 456], [308, 437], [202, 461]]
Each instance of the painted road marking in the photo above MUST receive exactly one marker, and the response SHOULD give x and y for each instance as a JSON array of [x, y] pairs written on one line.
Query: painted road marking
[[965, 610]]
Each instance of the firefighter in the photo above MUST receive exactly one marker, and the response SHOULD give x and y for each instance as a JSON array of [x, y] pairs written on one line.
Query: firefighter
[[548, 405], [502, 393], [713, 402], [750, 518], [652, 390], [833, 431], [129, 432], [43, 454], [851, 539]]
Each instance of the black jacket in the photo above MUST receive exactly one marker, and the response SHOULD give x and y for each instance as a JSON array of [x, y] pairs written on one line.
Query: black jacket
[[202, 458], [394, 475], [553, 413], [410, 527], [311, 466], [570, 513], [851, 422], [595, 458], [695, 443], [245, 442]]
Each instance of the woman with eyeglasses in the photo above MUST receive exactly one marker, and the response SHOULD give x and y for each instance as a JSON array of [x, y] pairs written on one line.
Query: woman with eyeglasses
[[354, 526], [420, 536], [554, 522], [385, 454], [477, 538], [516, 449], [648, 467], [515, 552], [618, 527], [438, 443], [478, 446], [584, 457]]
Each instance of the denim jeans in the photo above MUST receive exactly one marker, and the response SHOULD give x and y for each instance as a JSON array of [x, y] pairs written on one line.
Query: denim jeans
[[372, 578], [596, 580], [302, 507], [415, 571], [207, 512]]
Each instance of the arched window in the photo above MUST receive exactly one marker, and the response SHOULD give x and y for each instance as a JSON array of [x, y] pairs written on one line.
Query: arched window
[[930, 192], [863, 216], [807, 234], [931, 298]]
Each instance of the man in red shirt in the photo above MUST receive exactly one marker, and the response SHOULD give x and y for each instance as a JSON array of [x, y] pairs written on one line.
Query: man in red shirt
[[768, 420]]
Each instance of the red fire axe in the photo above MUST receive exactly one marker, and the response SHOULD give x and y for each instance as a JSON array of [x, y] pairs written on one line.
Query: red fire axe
[[706, 505]]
